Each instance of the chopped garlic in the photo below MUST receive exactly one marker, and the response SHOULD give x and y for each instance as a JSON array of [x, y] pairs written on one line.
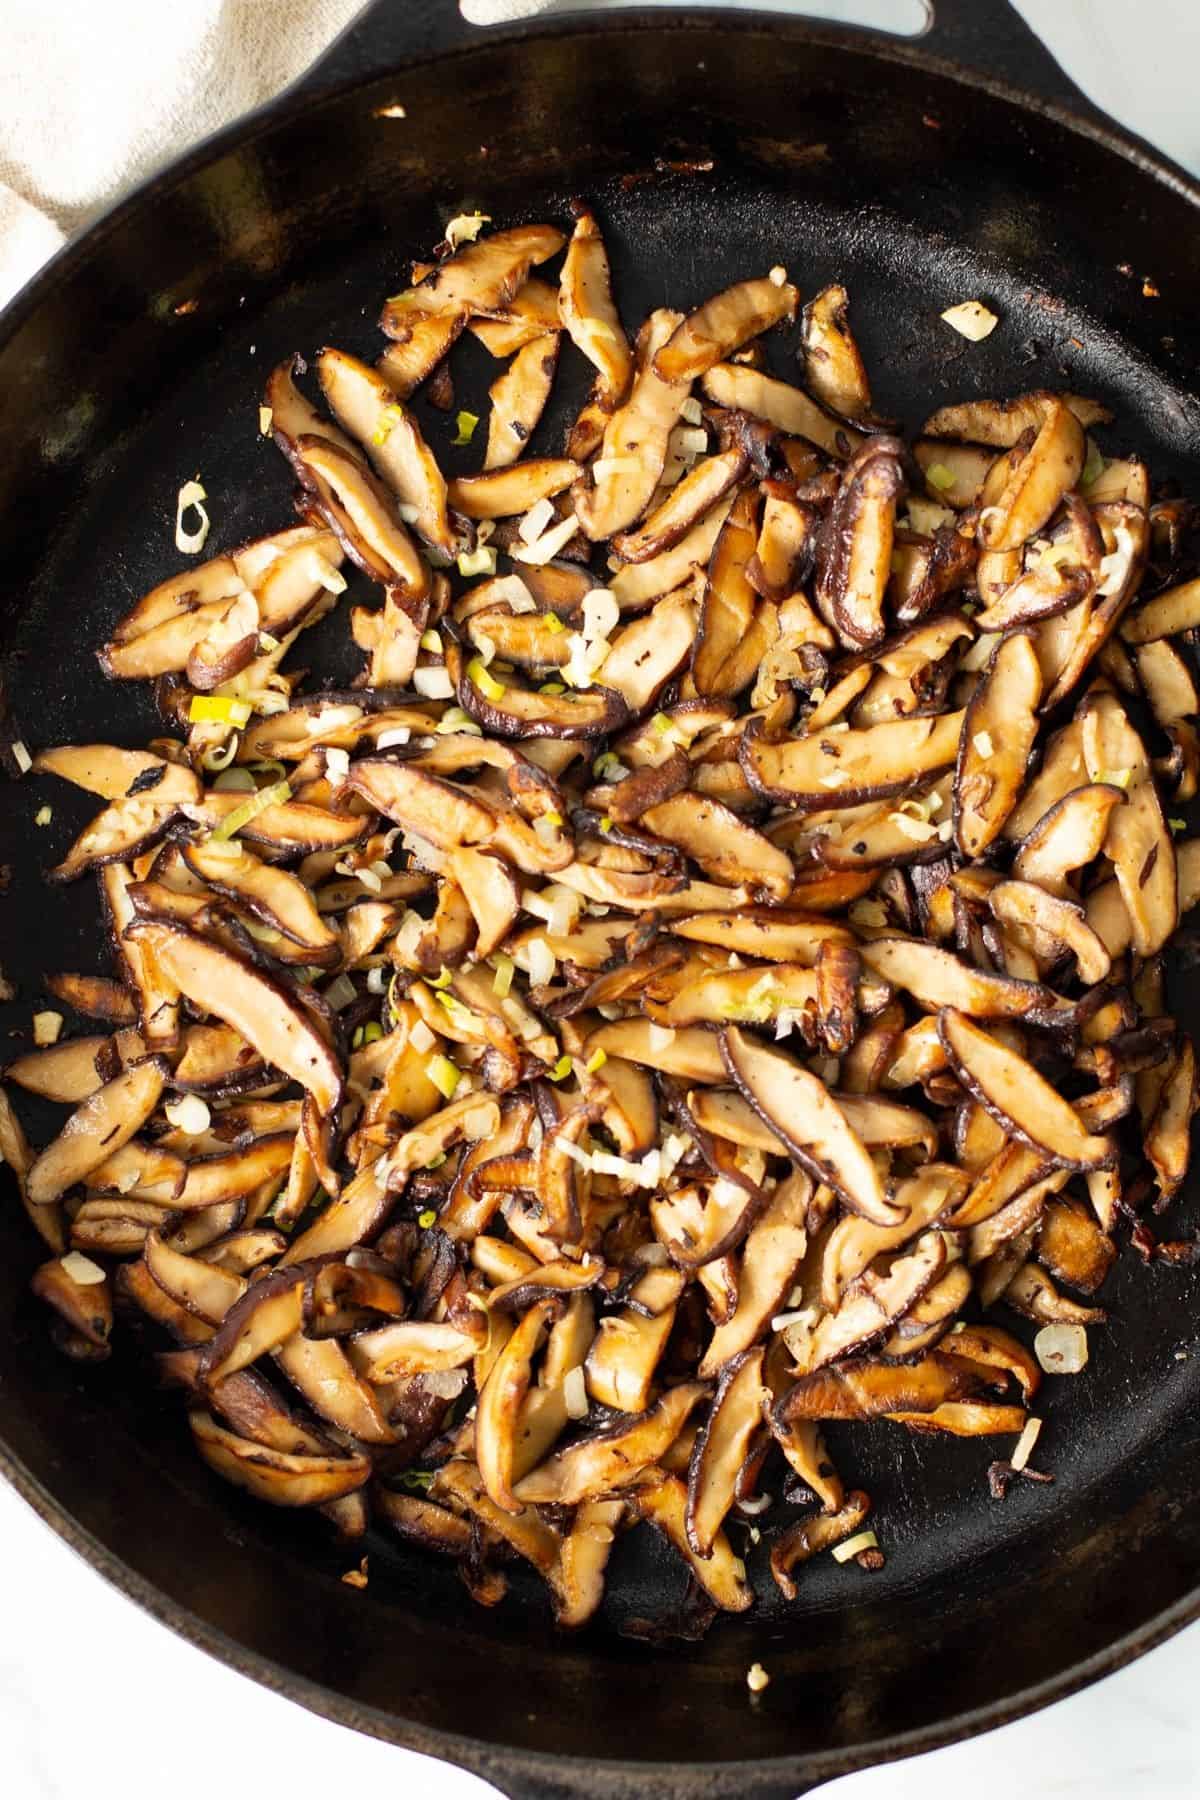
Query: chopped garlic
[[433, 683], [46, 1028], [21, 757], [971, 319], [43, 815], [757, 1678], [919, 830], [265, 416], [544, 548], [190, 495], [575, 1393], [982, 743], [81, 1269], [1025, 1444], [535, 521], [865, 1540], [466, 227], [189, 1113]]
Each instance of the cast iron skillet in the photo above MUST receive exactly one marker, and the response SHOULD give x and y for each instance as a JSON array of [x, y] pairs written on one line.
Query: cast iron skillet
[[845, 154]]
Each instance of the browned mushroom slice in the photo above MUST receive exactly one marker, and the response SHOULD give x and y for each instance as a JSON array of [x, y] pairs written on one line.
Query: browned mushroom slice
[[391, 437], [1041, 477], [589, 314], [421, 1521], [1012, 1091], [1168, 615], [1106, 911], [663, 1502], [746, 390], [799, 1107], [1068, 836], [806, 1539], [500, 1402], [1167, 682], [221, 983], [227, 1176], [518, 398], [17, 1154], [937, 978], [105, 1121], [648, 652], [615, 1457], [872, 1303], [66, 1072], [729, 645], [492, 893], [95, 996], [770, 1257], [372, 531], [855, 552], [266, 1316], [413, 1347], [117, 834], [721, 844], [954, 473], [998, 734], [535, 640], [692, 1054], [734, 1421], [119, 774], [707, 482], [973, 1418], [86, 1306], [392, 638], [501, 493], [1001, 423], [482, 279], [853, 766], [585, 1553], [1067, 644], [290, 827], [886, 834], [853, 1244], [513, 712], [532, 312], [632, 456], [1137, 839], [723, 324], [1168, 1137], [1046, 921], [274, 895], [637, 585], [864, 1389], [443, 814], [767, 931], [283, 1478], [752, 995], [1072, 1247], [832, 362]]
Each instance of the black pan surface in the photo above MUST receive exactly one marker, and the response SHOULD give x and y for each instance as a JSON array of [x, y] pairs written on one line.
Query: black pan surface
[[137, 362]]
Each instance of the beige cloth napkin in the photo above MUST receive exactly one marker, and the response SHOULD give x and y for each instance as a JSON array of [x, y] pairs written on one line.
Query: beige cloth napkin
[[94, 94]]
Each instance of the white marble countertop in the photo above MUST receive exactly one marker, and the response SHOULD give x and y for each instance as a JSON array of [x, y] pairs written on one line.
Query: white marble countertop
[[1138, 1730]]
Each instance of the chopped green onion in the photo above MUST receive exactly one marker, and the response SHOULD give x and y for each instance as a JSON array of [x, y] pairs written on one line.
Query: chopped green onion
[[553, 818], [663, 723], [1094, 467], [268, 768], [606, 823], [372, 1032], [417, 1481], [454, 719], [484, 680], [552, 687], [466, 422], [595, 1063], [477, 562], [442, 979], [357, 1039], [444, 1075], [432, 640], [435, 1162], [561, 1069], [427, 1218], [553, 624], [502, 980], [1177, 825], [218, 709], [276, 795], [940, 477]]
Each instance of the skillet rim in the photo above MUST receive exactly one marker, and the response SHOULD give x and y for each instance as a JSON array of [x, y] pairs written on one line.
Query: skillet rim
[[558, 1772]]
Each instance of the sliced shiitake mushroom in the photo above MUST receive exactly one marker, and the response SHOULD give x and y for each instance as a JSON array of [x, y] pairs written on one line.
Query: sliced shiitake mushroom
[[797, 1106], [1012, 1090]]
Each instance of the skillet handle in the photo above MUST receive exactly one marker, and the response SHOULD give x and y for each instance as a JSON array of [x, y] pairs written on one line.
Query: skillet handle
[[990, 38], [384, 34]]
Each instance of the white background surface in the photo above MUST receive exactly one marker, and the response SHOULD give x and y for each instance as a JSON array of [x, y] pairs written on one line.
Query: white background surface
[[96, 1699]]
